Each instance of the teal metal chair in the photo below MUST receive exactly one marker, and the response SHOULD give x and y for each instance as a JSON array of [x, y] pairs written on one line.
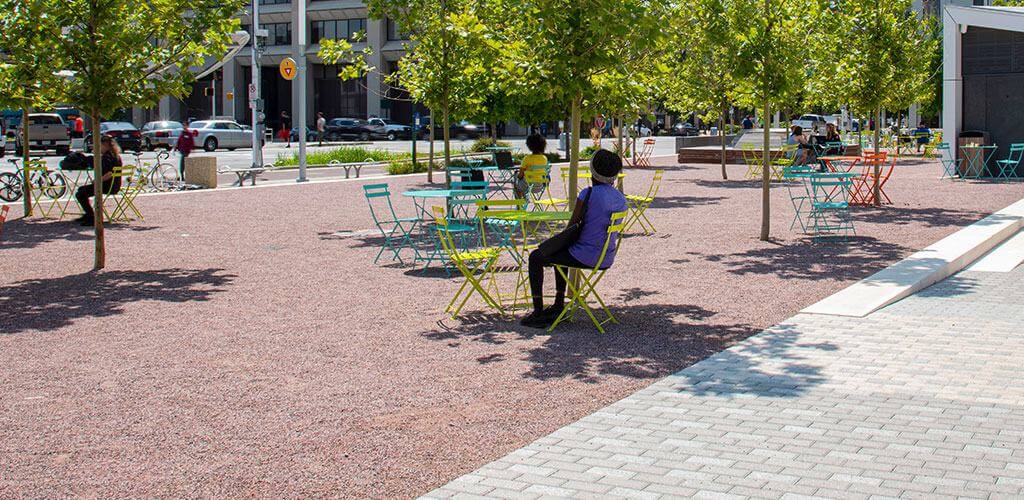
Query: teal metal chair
[[397, 232], [1008, 166], [829, 215], [950, 166], [799, 193]]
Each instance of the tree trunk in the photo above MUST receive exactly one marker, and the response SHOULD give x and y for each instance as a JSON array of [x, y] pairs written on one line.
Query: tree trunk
[[26, 185], [766, 179], [721, 134], [574, 149], [100, 260], [430, 168], [875, 188], [494, 133], [446, 134], [622, 152]]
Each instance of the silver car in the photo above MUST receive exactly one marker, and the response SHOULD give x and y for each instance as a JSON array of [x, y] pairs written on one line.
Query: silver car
[[162, 134], [215, 134]]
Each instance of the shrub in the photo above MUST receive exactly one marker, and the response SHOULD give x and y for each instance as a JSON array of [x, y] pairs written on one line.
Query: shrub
[[402, 167], [483, 143], [344, 154], [588, 152]]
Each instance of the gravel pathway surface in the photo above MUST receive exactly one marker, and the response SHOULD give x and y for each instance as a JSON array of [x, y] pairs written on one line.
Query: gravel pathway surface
[[242, 342]]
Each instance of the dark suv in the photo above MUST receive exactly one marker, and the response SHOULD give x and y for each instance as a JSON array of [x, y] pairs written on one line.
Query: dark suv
[[347, 128]]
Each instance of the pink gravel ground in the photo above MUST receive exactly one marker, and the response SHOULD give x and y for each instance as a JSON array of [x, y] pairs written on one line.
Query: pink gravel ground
[[242, 343]]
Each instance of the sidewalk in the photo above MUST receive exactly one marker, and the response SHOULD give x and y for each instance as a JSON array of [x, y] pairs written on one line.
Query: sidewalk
[[922, 398]]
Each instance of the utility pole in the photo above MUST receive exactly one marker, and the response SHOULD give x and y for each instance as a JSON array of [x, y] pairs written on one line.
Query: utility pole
[[255, 102], [301, 83]]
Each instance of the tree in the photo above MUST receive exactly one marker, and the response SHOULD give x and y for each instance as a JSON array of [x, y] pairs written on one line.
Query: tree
[[771, 50], [577, 43], [27, 74], [880, 59], [127, 53], [702, 73], [444, 64]]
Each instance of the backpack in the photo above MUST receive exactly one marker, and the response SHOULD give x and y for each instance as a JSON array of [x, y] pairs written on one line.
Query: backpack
[[75, 161]]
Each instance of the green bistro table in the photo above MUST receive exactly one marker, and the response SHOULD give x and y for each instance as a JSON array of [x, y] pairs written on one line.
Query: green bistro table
[[975, 160], [425, 235]]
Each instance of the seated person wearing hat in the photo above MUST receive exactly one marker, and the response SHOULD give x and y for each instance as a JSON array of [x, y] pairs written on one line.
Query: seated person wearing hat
[[602, 200]]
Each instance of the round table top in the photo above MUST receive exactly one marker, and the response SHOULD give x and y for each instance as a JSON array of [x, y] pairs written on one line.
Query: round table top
[[531, 216]]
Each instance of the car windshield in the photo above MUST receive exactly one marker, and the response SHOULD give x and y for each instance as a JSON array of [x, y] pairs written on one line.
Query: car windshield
[[44, 120], [117, 126], [163, 125]]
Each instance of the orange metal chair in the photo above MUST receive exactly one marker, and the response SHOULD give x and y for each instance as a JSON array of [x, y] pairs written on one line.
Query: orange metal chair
[[643, 157]]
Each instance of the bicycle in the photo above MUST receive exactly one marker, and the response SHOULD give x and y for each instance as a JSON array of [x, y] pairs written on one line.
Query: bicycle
[[164, 175], [45, 181]]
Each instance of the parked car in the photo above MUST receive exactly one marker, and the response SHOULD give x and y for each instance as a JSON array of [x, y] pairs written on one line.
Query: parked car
[[812, 124], [459, 130], [389, 129], [162, 134], [46, 131], [684, 129], [126, 135], [214, 134], [310, 134], [347, 128]]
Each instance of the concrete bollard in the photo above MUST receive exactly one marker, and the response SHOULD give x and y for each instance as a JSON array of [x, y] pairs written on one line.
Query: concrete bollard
[[201, 171]]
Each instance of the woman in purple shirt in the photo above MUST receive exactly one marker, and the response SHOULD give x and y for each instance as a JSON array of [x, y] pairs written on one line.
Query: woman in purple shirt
[[603, 200]]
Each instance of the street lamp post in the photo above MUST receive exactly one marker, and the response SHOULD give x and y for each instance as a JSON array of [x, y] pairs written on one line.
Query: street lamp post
[[300, 81], [254, 90]]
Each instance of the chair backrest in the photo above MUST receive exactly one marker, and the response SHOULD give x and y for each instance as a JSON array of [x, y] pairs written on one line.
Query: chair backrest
[[383, 192], [615, 227], [1016, 152], [503, 159], [445, 237], [469, 185], [652, 191], [830, 187]]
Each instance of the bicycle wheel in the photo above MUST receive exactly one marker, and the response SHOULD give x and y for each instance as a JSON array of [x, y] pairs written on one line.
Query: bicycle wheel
[[10, 187], [57, 185], [163, 176]]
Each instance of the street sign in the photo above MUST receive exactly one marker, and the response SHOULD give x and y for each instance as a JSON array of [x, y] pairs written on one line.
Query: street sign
[[252, 91], [288, 69]]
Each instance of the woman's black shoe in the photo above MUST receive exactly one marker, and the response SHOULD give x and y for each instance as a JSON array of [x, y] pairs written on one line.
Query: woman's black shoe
[[85, 221], [553, 311], [536, 320]]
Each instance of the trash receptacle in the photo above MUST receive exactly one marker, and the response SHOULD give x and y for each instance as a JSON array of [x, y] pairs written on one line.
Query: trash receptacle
[[970, 156], [562, 142]]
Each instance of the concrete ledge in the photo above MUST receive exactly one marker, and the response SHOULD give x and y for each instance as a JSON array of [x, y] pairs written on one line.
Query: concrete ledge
[[923, 269]]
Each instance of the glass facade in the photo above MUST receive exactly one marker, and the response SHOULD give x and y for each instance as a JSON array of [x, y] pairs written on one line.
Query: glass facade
[[337, 29], [337, 98]]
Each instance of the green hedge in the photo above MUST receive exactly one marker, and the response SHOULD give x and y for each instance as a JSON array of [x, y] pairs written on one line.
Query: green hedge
[[344, 154], [481, 145]]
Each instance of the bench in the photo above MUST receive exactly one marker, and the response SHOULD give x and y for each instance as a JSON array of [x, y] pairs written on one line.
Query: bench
[[349, 166], [245, 173]]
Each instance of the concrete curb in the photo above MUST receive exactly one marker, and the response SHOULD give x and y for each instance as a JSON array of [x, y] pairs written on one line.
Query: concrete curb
[[923, 269]]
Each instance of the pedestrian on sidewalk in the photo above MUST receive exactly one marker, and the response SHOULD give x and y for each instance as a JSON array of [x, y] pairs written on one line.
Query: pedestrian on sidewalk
[[321, 126], [185, 144], [286, 129]]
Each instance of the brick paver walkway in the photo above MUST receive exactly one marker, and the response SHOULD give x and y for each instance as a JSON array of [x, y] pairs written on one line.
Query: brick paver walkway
[[921, 399]]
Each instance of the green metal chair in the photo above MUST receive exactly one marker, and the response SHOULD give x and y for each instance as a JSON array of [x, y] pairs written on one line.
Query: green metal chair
[[830, 206], [950, 166], [799, 193], [1008, 166], [397, 232]]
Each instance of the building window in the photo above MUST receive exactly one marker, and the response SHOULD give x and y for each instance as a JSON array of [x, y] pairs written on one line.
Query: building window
[[336, 98], [278, 33], [395, 33], [337, 29], [274, 2]]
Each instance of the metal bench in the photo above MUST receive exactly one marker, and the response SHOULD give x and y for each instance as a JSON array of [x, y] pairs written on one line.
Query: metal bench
[[349, 166], [245, 173]]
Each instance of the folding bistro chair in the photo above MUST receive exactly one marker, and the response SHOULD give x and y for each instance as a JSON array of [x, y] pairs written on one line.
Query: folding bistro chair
[[949, 165], [784, 158], [538, 191], [491, 215], [643, 157], [397, 232], [638, 205], [46, 186], [475, 265], [830, 206], [580, 293], [752, 157], [1008, 166], [124, 198], [799, 195]]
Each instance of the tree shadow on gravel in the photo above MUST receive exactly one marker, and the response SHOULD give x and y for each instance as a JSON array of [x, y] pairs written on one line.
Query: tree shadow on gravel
[[31, 233], [772, 364], [930, 216], [856, 258], [685, 201], [52, 303], [729, 184], [652, 341]]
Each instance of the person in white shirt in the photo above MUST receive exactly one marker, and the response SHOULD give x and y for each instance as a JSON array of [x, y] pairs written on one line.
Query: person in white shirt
[[321, 125]]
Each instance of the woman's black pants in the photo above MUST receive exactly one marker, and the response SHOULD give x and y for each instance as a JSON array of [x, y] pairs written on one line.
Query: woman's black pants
[[537, 264]]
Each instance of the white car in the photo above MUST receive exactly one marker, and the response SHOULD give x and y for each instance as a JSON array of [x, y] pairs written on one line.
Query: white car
[[217, 134], [812, 124]]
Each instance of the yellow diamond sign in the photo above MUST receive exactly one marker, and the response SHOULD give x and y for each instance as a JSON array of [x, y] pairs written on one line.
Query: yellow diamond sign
[[288, 69]]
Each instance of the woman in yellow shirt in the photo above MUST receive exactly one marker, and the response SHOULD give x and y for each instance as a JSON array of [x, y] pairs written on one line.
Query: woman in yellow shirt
[[536, 159]]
